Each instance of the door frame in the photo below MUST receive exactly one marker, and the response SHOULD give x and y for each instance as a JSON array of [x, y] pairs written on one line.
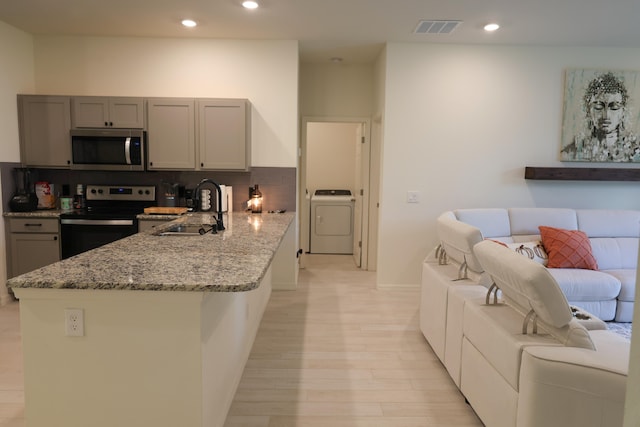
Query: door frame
[[303, 200]]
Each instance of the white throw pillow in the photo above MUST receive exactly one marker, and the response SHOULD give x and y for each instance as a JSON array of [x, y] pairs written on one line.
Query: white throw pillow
[[532, 250]]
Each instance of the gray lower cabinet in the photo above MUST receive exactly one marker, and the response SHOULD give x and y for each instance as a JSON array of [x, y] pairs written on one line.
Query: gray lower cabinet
[[45, 122], [107, 112], [32, 243], [223, 136], [171, 133]]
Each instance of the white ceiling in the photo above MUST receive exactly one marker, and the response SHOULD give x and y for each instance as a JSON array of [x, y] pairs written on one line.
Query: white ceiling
[[352, 29]]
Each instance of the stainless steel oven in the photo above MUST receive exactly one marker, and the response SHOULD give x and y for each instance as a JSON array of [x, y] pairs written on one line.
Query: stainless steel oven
[[110, 215], [80, 235]]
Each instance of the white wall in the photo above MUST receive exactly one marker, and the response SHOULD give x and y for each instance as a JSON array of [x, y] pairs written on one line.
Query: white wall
[[265, 72], [333, 92], [16, 76], [331, 155], [336, 90], [461, 123], [375, 179]]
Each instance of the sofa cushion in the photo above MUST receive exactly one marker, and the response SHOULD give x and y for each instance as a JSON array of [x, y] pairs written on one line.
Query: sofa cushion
[[586, 285], [609, 223], [605, 310], [615, 252], [624, 311], [491, 222], [527, 220], [567, 248], [627, 278]]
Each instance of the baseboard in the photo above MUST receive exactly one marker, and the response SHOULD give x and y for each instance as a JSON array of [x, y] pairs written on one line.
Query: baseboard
[[5, 299], [284, 286], [404, 287]]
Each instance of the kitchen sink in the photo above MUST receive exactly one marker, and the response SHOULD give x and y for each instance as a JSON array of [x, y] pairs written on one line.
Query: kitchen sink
[[187, 230]]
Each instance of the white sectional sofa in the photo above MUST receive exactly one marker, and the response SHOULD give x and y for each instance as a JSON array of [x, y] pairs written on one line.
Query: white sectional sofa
[[519, 356], [608, 293]]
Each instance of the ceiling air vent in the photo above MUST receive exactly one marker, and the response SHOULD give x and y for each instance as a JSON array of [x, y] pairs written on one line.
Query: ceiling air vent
[[436, 27]]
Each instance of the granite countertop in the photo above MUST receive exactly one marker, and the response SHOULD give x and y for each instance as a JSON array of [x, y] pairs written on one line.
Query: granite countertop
[[55, 213], [158, 217], [44, 213], [233, 260]]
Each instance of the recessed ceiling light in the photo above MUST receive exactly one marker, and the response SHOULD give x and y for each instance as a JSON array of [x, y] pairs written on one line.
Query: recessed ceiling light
[[491, 27], [189, 23], [250, 4]]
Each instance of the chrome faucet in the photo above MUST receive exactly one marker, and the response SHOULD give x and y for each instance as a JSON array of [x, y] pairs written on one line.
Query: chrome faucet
[[219, 223]]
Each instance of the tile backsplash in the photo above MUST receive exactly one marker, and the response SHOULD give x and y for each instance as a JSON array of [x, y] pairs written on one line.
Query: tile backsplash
[[277, 184]]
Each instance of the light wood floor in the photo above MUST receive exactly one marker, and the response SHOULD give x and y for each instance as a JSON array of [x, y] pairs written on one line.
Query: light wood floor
[[11, 383], [336, 352]]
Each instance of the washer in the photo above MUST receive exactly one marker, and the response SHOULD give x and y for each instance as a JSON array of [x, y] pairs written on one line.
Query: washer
[[331, 221]]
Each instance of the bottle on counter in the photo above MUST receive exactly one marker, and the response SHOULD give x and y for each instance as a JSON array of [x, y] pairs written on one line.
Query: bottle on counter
[[78, 199]]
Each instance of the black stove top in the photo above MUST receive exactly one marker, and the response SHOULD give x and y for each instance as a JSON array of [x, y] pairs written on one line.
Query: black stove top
[[115, 213], [114, 202]]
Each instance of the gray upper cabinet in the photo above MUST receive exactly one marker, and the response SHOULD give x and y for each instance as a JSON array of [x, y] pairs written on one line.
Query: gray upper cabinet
[[45, 122], [223, 136], [182, 133], [107, 112], [171, 133]]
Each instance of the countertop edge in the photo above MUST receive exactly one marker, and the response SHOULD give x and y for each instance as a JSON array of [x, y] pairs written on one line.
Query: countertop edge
[[44, 213], [258, 255]]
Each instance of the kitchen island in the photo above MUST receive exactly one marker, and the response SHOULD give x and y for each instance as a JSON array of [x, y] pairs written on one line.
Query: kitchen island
[[167, 324]]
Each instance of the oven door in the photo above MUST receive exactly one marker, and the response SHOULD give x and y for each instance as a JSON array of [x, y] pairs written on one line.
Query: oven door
[[81, 235]]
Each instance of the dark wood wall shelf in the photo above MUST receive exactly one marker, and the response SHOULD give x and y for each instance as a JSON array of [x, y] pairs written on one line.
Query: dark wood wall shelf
[[581, 174]]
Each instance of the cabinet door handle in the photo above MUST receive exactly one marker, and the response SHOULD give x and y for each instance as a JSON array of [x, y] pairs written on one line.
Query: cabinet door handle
[[32, 225], [106, 123], [55, 237]]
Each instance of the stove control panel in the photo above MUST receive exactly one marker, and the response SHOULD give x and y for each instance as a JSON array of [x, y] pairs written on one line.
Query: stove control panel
[[122, 192]]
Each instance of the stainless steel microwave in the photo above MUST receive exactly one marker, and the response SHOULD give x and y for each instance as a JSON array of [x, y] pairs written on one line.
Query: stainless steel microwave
[[108, 149]]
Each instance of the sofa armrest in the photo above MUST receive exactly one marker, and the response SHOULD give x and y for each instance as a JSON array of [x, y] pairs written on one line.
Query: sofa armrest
[[564, 386], [458, 239]]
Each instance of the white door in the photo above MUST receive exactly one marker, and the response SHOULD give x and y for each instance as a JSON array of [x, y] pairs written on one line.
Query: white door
[[357, 214], [361, 190]]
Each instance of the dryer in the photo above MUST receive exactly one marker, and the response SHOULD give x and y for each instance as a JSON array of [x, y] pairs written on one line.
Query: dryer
[[331, 221]]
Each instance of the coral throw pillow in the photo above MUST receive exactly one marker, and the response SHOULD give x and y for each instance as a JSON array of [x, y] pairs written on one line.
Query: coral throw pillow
[[567, 248]]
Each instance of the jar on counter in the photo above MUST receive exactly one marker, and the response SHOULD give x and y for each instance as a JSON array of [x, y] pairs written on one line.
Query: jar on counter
[[78, 199]]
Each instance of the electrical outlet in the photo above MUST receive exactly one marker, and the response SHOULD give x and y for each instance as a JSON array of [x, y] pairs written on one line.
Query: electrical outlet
[[413, 196], [74, 322]]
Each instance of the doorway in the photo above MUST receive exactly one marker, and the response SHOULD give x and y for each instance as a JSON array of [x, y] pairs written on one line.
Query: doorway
[[335, 154]]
